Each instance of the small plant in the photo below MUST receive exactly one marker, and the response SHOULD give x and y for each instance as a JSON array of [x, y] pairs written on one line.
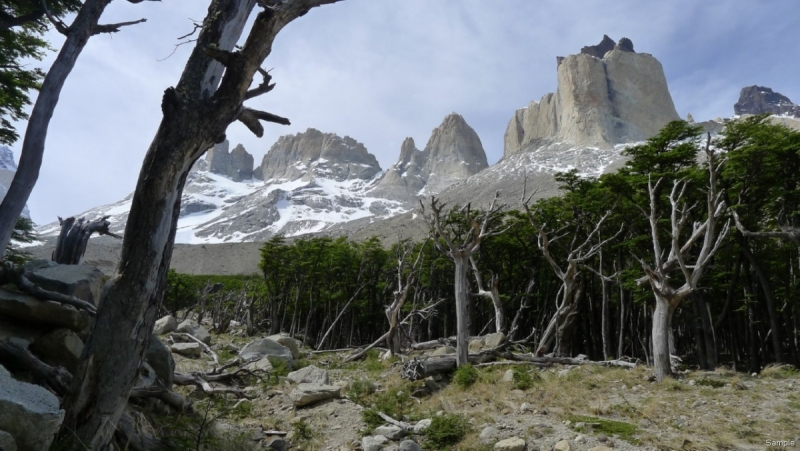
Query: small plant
[[466, 376], [711, 383], [372, 361], [303, 431], [779, 371], [359, 390], [446, 430], [524, 380], [371, 419], [625, 431]]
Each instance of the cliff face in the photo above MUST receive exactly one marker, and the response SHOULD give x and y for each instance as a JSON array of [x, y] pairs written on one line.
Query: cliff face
[[760, 100], [453, 153], [619, 97], [237, 164]]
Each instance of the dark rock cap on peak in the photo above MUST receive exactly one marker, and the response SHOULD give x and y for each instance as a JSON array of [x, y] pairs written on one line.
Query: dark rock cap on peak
[[599, 50]]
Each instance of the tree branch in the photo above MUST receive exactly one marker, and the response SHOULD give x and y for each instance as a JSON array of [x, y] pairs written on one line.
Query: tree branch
[[250, 118], [60, 26], [263, 88], [114, 27]]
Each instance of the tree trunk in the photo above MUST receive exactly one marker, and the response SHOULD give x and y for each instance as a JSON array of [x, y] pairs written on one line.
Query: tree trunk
[[462, 318], [766, 287], [30, 160], [662, 324], [605, 321]]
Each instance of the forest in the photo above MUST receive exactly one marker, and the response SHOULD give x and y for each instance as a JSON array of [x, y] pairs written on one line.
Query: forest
[[708, 228]]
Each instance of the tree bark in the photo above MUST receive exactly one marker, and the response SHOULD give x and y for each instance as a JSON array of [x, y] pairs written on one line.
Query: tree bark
[[462, 316], [662, 324], [196, 115]]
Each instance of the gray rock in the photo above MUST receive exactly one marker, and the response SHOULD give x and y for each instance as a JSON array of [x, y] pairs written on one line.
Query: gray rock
[[625, 44], [305, 394], [409, 445], [444, 350], [510, 444], [261, 364], [264, 347], [20, 306], [277, 444], [422, 425], [494, 340], [20, 332], [289, 342], [187, 349], [165, 325], [61, 347], [373, 443], [508, 376], [309, 375], [160, 359], [563, 445], [29, 413], [82, 281], [598, 51], [390, 431], [7, 442], [191, 327], [488, 434], [195, 206], [238, 164], [760, 100]]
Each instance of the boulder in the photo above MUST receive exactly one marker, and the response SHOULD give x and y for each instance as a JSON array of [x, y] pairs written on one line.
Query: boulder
[[510, 444], [29, 413], [494, 340], [7, 442], [160, 359], [563, 445], [422, 425], [409, 445], [20, 306], [305, 394], [508, 376], [390, 431], [61, 347], [262, 364], [82, 281], [277, 444], [488, 434], [444, 350], [291, 343], [165, 325], [191, 327], [309, 375], [188, 349], [264, 347], [373, 443]]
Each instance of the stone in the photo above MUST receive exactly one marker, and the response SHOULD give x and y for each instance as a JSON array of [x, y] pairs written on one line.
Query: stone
[[444, 350], [20, 332], [601, 448], [262, 364], [61, 347], [191, 327], [508, 376], [390, 431], [29, 413], [165, 325], [760, 100], [563, 445], [510, 444], [409, 445], [422, 425], [625, 45], [373, 443], [305, 394], [237, 165], [82, 281], [7, 442], [488, 434], [187, 349], [310, 375], [19, 306], [291, 343], [160, 359], [525, 407], [494, 340], [264, 347], [277, 444]]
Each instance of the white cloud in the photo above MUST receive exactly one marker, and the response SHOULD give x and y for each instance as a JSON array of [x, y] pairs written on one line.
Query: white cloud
[[383, 70]]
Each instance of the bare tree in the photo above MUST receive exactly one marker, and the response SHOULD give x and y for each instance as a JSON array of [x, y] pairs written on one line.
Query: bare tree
[[196, 113], [493, 294], [400, 295], [78, 33], [668, 297], [480, 226]]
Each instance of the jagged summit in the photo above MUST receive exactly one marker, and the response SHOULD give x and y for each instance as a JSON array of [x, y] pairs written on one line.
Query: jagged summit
[[236, 164], [453, 153], [607, 95], [759, 100], [7, 159]]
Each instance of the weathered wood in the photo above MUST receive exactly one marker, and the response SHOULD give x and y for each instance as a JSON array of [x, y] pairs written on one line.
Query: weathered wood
[[15, 356], [198, 341], [161, 393], [74, 237], [416, 369], [196, 380], [397, 423]]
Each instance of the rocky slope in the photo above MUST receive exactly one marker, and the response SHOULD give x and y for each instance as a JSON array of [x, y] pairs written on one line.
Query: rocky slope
[[608, 94], [759, 100], [7, 169]]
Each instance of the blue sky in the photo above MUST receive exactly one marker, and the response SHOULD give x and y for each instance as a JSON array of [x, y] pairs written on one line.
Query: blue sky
[[382, 70]]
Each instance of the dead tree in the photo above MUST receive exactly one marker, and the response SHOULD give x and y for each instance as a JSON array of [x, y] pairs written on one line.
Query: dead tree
[[493, 294], [479, 227], [668, 297], [78, 33], [566, 303], [196, 113], [400, 295], [74, 237], [605, 316]]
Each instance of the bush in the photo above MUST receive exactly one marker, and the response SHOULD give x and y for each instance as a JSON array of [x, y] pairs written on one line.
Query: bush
[[359, 390], [466, 376], [446, 430], [523, 380]]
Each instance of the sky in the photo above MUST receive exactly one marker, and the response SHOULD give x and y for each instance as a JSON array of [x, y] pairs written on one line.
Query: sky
[[383, 70]]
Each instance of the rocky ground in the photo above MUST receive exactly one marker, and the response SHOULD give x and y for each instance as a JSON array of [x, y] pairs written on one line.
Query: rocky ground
[[585, 407]]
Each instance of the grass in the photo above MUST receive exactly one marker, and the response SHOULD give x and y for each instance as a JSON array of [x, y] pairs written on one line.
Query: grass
[[623, 430], [710, 383], [779, 371]]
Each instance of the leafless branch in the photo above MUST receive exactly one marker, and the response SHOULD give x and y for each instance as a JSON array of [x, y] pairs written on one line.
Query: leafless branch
[[114, 27]]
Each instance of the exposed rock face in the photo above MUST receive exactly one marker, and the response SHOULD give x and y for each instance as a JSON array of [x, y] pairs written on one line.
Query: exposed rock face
[[238, 164], [316, 154], [82, 281], [615, 97], [30, 413], [759, 100], [453, 153]]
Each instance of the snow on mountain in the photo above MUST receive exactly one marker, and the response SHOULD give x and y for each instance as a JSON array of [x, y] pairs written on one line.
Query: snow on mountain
[[7, 169]]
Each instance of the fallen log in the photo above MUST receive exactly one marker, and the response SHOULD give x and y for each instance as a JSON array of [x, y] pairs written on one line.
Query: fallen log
[[205, 386], [563, 360], [416, 369]]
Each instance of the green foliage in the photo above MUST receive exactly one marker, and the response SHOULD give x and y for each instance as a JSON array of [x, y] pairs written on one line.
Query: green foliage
[[23, 233], [303, 431], [181, 291], [446, 430], [359, 390], [524, 380], [779, 371], [465, 376], [711, 383], [610, 428]]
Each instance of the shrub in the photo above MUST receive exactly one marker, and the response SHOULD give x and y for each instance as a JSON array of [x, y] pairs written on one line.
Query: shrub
[[523, 380], [465, 376], [779, 371], [359, 390], [446, 430], [711, 383]]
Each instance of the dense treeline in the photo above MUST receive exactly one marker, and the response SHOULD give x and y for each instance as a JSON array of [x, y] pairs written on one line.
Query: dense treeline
[[716, 243]]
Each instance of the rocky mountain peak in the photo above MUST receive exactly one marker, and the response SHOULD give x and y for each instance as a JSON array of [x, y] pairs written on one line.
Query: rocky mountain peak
[[7, 159], [760, 100], [316, 154], [237, 164], [607, 94], [7, 170]]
